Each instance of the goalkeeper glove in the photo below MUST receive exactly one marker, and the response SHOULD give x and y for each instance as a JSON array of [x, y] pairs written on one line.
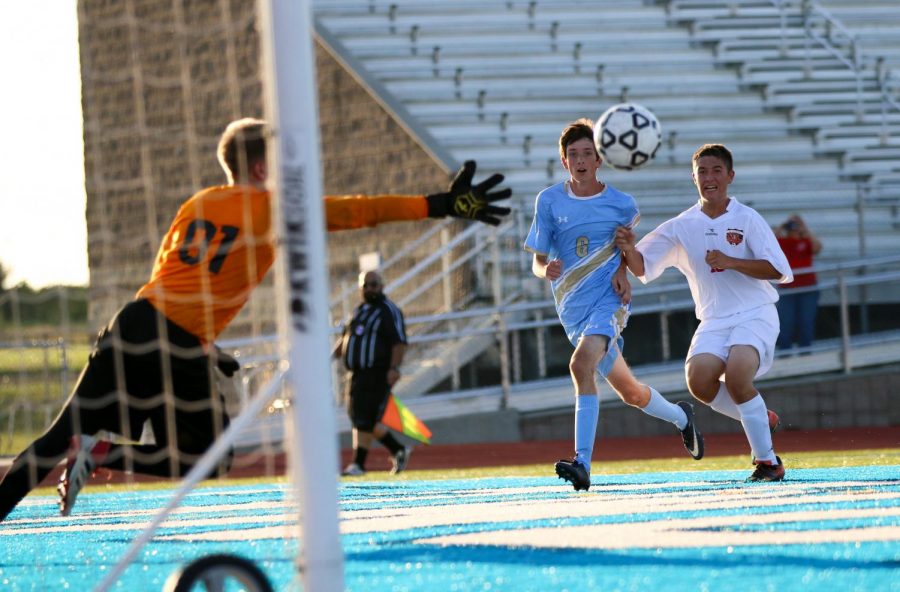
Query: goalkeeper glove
[[227, 364], [473, 203]]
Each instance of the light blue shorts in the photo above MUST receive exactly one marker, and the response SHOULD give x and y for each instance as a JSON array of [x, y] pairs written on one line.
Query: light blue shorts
[[609, 321]]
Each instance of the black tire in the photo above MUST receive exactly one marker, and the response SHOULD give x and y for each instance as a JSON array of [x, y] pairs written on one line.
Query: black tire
[[215, 570]]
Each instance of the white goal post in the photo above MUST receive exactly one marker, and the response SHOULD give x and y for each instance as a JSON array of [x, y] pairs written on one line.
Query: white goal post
[[289, 88], [286, 28]]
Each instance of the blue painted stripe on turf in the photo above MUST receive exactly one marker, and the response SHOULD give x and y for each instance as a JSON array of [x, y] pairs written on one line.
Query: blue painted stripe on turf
[[392, 561]]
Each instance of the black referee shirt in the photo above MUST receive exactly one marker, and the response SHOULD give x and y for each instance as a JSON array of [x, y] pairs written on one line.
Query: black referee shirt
[[371, 335]]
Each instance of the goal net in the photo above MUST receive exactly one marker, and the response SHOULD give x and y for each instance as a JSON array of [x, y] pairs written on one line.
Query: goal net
[[161, 80]]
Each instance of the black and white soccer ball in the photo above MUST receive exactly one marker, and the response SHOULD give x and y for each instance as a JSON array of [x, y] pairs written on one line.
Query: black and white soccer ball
[[627, 136]]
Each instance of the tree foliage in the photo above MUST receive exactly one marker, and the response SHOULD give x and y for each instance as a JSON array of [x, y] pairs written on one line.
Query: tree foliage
[[52, 305]]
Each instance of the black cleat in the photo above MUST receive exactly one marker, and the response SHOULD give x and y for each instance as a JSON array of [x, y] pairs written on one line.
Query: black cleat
[[690, 435], [767, 471], [400, 460], [575, 473]]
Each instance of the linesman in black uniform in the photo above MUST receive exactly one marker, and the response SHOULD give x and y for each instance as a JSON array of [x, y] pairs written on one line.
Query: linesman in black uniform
[[372, 349]]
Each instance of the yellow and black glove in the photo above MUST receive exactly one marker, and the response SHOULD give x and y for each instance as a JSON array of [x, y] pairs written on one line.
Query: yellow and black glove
[[472, 203], [227, 364]]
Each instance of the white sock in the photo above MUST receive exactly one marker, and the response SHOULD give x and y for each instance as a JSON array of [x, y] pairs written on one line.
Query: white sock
[[587, 410], [660, 408], [724, 404], [755, 419]]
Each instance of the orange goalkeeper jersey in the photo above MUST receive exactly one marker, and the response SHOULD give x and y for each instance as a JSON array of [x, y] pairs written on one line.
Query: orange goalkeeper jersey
[[220, 246]]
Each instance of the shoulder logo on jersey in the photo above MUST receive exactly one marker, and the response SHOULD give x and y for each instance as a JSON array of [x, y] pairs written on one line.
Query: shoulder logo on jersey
[[581, 246], [562, 220], [734, 236]]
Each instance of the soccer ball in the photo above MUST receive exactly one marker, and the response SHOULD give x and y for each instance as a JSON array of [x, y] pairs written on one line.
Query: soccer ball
[[627, 136]]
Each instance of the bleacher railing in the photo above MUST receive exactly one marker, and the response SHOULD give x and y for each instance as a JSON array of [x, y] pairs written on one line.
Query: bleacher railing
[[858, 296], [37, 374]]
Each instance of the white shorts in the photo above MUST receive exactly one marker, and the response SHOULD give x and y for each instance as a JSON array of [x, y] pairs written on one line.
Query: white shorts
[[757, 328]]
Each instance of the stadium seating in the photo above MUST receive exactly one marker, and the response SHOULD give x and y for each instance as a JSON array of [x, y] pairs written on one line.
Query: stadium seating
[[497, 80]]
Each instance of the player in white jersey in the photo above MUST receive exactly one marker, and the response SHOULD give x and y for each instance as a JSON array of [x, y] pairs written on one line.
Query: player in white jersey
[[572, 238], [730, 256]]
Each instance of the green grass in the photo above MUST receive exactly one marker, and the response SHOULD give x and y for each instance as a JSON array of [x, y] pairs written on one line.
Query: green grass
[[27, 425], [18, 443], [795, 460], [32, 359], [34, 391], [27, 374]]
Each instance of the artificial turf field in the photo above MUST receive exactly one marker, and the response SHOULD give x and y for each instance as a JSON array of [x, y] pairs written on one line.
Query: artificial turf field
[[646, 526]]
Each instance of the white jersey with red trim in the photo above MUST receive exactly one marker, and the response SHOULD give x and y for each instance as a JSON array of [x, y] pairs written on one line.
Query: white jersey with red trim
[[682, 242]]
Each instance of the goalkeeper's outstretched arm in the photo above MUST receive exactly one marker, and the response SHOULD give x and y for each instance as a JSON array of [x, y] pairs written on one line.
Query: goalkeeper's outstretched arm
[[461, 200]]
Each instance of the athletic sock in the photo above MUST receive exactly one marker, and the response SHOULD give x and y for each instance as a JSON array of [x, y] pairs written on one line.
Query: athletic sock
[[660, 408], [360, 457], [755, 419], [587, 408], [391, 443], [724, 404]]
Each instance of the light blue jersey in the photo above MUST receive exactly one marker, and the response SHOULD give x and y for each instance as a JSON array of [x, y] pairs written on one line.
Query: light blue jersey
[[581, 234]]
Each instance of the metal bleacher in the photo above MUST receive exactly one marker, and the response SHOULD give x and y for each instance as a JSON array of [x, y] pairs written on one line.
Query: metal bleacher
[[808, 112], [497, 80]]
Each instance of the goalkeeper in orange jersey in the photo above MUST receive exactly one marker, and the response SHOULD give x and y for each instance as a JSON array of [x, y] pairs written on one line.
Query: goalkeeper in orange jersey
[[156, 358]]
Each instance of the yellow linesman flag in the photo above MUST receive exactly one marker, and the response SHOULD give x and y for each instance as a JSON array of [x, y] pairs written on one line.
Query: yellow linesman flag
[[398, 417]]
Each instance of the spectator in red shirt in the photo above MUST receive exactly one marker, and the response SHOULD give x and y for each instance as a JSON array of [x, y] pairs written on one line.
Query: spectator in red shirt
[[797, 307]]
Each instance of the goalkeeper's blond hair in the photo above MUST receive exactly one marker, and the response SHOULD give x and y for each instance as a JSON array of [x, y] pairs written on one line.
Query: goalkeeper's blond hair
[[243, 144]]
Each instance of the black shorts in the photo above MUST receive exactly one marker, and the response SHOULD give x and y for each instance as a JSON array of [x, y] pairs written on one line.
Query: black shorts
[[145, 367], [367, 395]]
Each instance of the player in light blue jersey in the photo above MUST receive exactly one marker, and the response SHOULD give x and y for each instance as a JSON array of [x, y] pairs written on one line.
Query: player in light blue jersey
[[572, 238]]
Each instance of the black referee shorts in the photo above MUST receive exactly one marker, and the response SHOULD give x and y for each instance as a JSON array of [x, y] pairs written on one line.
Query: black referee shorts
[[367, 395]]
